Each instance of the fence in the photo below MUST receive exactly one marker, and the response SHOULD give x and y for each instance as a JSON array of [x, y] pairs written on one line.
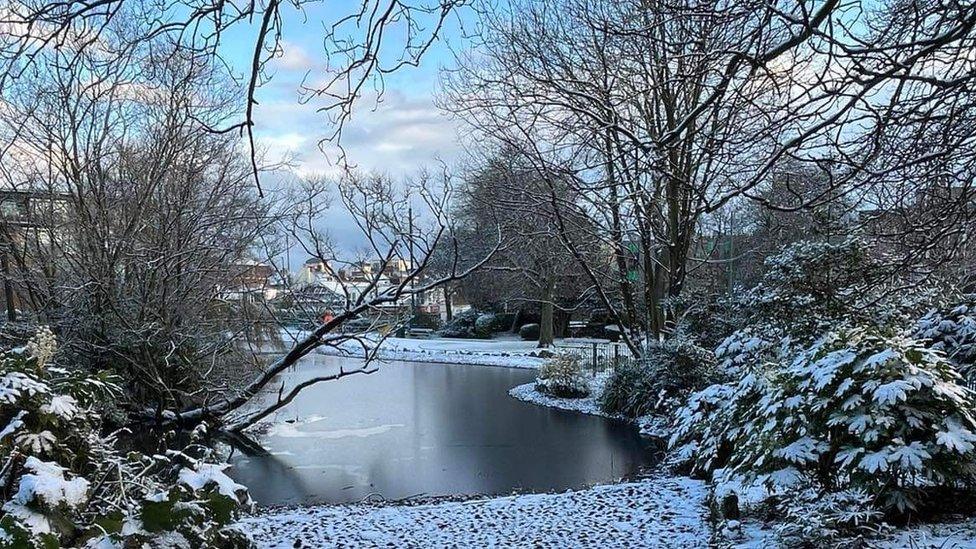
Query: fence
[[596, 356]]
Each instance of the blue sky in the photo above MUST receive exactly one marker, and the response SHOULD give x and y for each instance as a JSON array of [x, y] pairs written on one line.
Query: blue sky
[[399, 135]]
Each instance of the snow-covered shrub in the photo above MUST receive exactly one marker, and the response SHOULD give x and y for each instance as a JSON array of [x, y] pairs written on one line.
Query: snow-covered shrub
[[660, 380], [64, 481], [708, 320], [463, 325], [562, 376], [811, 287], [953, 332], [858, 408], [808, 518], [490, 323], [529, 332]]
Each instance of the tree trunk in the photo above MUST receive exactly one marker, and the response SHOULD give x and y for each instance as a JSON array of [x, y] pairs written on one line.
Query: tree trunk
[[8, 290], [448, 309], [545, 323]]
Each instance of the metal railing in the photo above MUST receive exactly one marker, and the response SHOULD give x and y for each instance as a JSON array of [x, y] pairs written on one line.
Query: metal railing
[[596, 357]]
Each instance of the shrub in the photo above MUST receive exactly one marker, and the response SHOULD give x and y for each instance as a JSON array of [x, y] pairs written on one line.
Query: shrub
[[954, 333], [562, 376], [529, 332], [660, 381], [463, 325], [808, 518], [709, 319], [857, 409], [425, 320], [631, 389], [66, 484], [490, 323], [811, 287]]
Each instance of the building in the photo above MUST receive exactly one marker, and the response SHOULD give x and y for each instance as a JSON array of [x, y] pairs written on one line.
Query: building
[[28, 219]]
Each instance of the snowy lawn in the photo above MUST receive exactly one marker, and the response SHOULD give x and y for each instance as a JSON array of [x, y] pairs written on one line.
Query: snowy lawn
[[944, 536], [510, 352], [506, 350], [654, 512]]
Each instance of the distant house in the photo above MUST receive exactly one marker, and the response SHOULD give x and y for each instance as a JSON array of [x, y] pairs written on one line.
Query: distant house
[[251, 280], [28, 219], [314, 271]]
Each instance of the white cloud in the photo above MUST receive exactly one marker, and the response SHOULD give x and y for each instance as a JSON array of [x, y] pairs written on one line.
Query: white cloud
[[399, 136], [293, 57]]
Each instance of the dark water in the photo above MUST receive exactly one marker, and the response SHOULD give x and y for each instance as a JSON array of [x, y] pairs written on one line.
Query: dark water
[[430, 429]]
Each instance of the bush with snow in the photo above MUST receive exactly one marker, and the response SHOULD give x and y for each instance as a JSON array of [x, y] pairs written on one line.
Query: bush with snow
[[490, 323], [809, 518], [659, 381], [65, 483], [953, 331], [812, 286], [858, 408], [562, 376], [464, 325], [529, 332]]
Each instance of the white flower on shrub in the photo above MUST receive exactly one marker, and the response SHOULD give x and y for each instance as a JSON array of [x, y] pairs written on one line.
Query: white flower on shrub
[[42, 346]]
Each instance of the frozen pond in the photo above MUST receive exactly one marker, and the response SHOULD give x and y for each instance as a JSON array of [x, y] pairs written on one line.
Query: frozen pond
[[432, 429]]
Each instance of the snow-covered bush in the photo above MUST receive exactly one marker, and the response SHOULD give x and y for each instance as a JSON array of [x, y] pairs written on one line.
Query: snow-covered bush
[[858, 408], [529, 332], [64, 482], [808, 518], [811, 287], [707, 319], [953, 332], [562, 376], [490, 323], [660, 380], [464, 325]]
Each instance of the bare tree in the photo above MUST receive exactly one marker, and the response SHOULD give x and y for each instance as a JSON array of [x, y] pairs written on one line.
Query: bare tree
[[358, 44], [402, 226], [670, 111], [506, 194], [119, 114]]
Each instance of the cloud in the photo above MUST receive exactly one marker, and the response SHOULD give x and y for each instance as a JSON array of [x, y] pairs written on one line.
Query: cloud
[[293, 57], [397, 136]]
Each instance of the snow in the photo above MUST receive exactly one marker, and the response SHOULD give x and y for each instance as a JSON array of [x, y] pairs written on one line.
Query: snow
[[35, 522], [47, 485], [654, 512], [63, 406], [209, 473], [15, 384], [508, 352], [655, 426], [956, 437], [943, 536], [16, 423]]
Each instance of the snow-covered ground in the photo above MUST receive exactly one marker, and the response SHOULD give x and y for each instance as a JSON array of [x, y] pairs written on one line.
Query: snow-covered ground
[[655, 426], [507, 350], [655, 512], [931, 536]]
